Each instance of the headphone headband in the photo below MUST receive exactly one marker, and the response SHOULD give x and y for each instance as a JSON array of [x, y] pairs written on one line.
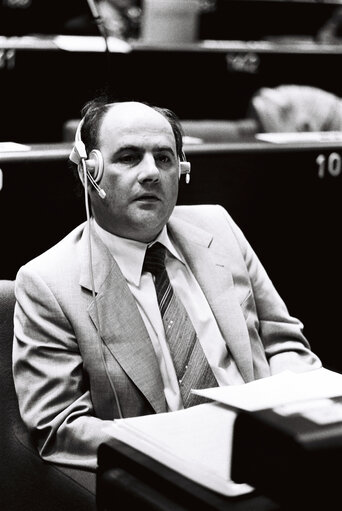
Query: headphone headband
[[94, 161]]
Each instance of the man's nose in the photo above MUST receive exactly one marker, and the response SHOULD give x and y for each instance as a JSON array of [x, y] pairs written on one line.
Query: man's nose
[[148, 170]]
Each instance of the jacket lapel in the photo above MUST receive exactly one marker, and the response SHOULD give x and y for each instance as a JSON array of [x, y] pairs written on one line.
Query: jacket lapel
[[211, 271], [122, 328], [118, 319]]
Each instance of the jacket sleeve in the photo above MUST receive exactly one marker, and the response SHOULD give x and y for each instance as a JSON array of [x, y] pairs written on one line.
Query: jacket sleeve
[[285, 345], [51, 386]]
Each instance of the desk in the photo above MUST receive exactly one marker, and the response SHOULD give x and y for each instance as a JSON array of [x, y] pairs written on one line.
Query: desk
[[128, 479], [48, 82], [287, 203]]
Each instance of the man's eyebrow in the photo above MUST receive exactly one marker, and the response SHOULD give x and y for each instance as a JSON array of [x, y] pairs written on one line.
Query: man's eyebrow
[[165, 148], [134, 148], [129, 147]]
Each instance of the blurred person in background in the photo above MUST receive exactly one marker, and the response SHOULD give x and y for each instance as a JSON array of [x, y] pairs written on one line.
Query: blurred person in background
[[120, 18], [295, 108]]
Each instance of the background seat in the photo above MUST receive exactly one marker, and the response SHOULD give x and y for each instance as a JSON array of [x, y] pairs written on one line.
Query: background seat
[[26, 481]]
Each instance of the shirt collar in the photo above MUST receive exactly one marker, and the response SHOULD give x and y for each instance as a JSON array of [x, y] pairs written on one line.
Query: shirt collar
[[130, 254]]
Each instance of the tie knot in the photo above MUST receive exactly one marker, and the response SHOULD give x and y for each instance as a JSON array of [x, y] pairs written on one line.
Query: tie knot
[[154, 261]]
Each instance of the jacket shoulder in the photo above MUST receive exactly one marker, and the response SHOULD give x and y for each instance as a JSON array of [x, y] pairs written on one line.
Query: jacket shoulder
[[58, 258], [200, 212], [211, 217]]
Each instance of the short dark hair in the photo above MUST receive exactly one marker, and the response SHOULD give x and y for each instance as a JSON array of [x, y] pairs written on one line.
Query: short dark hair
[[94, 111]]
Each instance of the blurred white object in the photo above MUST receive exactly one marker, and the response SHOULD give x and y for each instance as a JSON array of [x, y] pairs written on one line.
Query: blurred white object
[[170, 21], [295, 108]]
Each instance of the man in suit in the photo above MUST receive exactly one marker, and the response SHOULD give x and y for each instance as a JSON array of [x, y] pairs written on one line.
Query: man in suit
[[90, 341]]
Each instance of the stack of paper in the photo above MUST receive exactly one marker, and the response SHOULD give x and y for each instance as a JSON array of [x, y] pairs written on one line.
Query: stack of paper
[[197, 442], [285, 387]]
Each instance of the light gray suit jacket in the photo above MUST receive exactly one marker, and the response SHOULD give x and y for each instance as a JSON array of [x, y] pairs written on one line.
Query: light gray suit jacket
[[64, 393]]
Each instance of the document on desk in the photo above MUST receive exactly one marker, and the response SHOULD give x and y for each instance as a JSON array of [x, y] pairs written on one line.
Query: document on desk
[[285, 387], [195, 442], [9, 147], [298, 137]]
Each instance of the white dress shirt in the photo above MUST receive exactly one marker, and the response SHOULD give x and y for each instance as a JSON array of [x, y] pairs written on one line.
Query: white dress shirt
[[129, 255]]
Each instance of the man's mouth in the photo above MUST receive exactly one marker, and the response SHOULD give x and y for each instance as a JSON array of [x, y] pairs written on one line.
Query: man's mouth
[[148, 197]]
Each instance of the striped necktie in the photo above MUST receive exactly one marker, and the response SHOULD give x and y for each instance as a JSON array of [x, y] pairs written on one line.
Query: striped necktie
[[190, 363]]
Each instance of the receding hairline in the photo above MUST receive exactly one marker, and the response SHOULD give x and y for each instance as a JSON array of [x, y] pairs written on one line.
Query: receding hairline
[[133, 105], [95, 112]]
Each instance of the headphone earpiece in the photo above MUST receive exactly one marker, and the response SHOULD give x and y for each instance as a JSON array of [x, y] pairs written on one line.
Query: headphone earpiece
[[95, 165], [185, 168]]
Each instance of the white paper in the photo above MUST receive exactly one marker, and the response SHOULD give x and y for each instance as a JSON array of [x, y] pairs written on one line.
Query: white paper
[[192, 140], [303, 136], [91, 43], [195, 442], [285, 387], [9, 147]]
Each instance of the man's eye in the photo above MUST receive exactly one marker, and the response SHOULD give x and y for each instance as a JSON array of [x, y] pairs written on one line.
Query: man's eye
[[127, 158], [163, 158]]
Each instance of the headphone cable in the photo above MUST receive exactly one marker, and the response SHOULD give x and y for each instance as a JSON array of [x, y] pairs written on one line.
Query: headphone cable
[[98, 330]]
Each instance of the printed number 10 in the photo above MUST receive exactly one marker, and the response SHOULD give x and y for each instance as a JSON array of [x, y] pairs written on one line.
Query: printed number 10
[[333, 165]]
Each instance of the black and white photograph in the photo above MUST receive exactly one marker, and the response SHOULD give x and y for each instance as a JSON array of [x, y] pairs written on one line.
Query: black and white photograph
[[171, 261]]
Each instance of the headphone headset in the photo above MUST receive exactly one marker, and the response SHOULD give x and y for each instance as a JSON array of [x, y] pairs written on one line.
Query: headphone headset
[[94, 162]]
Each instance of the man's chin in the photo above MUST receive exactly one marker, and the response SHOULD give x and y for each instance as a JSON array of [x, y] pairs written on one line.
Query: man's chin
[[148, 222]]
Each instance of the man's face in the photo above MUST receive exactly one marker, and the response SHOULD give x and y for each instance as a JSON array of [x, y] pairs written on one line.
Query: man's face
[[140, 172]]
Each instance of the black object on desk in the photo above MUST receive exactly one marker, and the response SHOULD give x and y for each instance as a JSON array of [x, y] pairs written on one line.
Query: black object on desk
[[293, 456], [128, 479]]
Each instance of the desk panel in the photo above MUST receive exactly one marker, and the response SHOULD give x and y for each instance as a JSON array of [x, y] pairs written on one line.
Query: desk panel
[[128, 479], [38, 205]]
